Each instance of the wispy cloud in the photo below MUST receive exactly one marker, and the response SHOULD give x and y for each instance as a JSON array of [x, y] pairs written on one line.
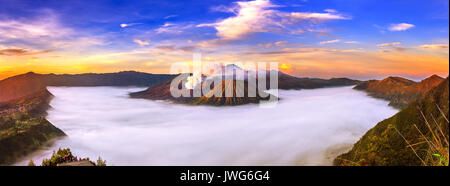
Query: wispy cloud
[[393, 46], [46, 32], [331, 10], [400, 27], [302, 50], [173, 48], [401, 49], [171, 28], [166, 47], [43, 27], [329, 42], [276, 44], [124, 25], [351, 42], [141, 43], [434, 46], [170, 16], [21, 52], [388, 44], [316, 16]]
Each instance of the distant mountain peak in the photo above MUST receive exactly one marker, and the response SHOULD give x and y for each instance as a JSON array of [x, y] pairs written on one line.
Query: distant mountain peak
[[396, 79], [399, 91], [233, 66], [433, 77]]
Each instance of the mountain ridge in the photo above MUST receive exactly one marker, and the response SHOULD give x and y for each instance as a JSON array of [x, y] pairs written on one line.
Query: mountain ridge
[[399, 91], [385, 145], [161, 91], [23, 85]]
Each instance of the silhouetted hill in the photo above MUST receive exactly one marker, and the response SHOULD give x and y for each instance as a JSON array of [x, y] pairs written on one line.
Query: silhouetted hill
[[287, 82], [384, 144], [126, 78], [20, 86], [399, 91], [26, 84]]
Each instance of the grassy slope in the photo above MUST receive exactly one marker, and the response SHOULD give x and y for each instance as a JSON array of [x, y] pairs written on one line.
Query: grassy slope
[[24, 136], [23, 127], [383, 145]]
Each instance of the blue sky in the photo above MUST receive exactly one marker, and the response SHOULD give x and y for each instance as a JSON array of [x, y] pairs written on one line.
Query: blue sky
[[149, 35]]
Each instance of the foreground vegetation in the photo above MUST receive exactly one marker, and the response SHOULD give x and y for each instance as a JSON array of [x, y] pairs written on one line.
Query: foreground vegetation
[[22, 135], [23, 127], [418, 135], [64, 157]]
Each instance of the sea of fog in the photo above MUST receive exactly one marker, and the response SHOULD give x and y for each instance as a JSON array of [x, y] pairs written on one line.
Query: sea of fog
[[307, 127]]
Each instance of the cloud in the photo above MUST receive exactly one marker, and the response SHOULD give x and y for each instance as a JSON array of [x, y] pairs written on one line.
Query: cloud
[[330, 10], [141, 43], [380, 28], [388, 44], [209, 44], [46, 31], [277, 44], [400, 27], [21, 52], [393, 46], [171, 28], [187, 48], [401, 49], [251, 16], [260, 16], [302, 50], [434, 46], [124, 25], [351, 42], [170, 16], [329, 42], [317, 16], [43, 27], [166, 48], [172, 48]]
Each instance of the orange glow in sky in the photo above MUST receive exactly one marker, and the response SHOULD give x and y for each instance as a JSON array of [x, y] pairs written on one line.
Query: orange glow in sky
[[312, 40]]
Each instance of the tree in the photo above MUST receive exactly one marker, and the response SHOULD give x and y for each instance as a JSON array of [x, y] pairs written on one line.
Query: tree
[[31, 163], [100, 162]]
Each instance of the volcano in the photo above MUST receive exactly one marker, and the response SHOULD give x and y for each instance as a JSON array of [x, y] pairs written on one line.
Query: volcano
[[235, 89], [231, 92]]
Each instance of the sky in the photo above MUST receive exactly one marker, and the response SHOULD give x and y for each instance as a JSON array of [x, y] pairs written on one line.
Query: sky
[[368, 39]]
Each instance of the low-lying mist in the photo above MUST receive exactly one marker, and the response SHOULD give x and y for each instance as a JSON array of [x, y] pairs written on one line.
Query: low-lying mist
[[307, 127]]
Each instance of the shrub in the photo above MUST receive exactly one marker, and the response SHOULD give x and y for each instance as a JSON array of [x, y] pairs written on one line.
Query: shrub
[[31, 163]]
